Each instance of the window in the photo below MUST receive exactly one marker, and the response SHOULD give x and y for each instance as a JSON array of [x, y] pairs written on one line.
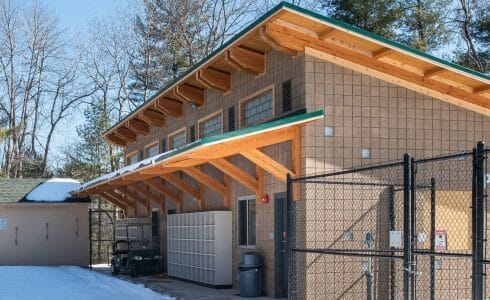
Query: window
[[152, 150], [132, 158], [177, 140], [246, 221], [211, 125], [257, 109]]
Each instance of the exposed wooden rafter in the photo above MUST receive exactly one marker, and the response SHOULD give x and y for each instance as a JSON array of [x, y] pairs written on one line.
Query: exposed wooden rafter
[[382, 53], [268, 164], [327, 33], [190, 94], [482, 89], [274, 44], [207, 180], [247, 60], [215, 79], [435, 71], [160, 187], [126, 191], [116, 140], [126, 133], [113, 200], [138, 126], [236, 173], [259, 194], [181, 185], [153, 116], [171, 107]]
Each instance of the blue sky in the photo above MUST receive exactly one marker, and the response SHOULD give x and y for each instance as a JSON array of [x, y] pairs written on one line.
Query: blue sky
[[74, 17]]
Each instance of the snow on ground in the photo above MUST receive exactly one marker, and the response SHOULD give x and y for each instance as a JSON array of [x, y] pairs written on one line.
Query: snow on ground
[[55, 190], [67, 282]]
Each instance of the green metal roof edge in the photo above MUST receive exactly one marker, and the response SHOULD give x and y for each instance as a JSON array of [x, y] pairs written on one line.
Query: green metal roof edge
[[312, 14], [383, 40], [213, 139]]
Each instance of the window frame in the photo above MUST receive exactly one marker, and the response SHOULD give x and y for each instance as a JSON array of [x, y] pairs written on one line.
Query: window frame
[[173, 134], [150, 145], [241, 103], [131, 154], [246, 198], [207, 118]]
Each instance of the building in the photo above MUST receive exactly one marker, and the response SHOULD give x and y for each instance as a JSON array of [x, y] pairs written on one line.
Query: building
[[41, 224], [293, 93]]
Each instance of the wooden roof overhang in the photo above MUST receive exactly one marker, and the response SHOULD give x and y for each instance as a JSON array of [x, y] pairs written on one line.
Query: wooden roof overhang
[[293, 30], [151, 179]]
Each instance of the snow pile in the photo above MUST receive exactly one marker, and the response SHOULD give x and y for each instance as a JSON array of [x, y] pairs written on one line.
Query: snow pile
[[53, 190], [61, 283]]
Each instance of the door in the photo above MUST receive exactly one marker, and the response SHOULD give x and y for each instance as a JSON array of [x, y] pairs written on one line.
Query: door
[[281, 251]]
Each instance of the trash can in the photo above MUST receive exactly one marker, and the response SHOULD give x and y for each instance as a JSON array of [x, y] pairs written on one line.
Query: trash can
[[250, 274]]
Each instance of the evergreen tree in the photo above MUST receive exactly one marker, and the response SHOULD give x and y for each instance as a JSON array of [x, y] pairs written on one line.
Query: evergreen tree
[[375, 16], [423, 24]]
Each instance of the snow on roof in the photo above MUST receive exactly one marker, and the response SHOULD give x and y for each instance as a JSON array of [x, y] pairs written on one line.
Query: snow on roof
[[53, 190]]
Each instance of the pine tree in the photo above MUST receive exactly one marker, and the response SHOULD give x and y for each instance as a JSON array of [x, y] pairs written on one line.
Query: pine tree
[[375, 16], [422, 24]]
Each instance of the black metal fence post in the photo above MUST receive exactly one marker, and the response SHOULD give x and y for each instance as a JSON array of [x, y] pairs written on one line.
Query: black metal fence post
[[478, 217], [291, 235], [432, 237], [413, 227], [407, 234]]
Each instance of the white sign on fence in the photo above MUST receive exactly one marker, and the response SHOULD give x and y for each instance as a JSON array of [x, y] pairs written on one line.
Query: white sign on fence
[[396, 239], [3, 224], [441, 240]]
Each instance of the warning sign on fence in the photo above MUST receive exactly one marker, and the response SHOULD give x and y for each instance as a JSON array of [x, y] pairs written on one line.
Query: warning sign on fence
[[440, 244]]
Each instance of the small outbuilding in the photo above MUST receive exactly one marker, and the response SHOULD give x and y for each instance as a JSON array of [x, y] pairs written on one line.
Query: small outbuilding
[[42, 224]]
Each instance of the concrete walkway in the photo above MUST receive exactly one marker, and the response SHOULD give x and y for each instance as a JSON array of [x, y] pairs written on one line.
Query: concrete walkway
[[178, 289]]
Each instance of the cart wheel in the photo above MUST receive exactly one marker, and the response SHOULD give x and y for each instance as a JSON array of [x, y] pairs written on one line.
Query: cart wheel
[[114, 269], [132, 269]]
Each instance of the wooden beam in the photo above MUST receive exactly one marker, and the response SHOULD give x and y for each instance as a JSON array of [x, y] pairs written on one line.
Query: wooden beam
[[181, 184], [142, 188], [259, 194], [126, 133], [159, 170], [138, 126], [112, 199], [116, 140], [250, 61], [296, 152], [484, 89], [204, 178], [382, 53], [274, 44], [236, 173], [125, 190], [171, 107], [365, 64], [154, 117], [327, 33], [435, 71], [190, 94], [215, 79], [159, 186], [124, 200], [268, 164], [236, 146]]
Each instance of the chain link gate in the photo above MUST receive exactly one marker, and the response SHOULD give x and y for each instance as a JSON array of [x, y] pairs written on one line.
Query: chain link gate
[[409, 229]]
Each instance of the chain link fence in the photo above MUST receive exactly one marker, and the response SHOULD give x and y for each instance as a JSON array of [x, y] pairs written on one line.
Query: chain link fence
[[400, 230]]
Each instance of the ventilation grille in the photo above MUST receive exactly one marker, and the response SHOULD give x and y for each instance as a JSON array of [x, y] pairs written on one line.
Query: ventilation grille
[[192, 133], [231, 119], [163, 146], [286, 96]]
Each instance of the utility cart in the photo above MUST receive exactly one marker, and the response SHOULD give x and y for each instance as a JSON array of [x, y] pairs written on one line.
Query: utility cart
[[134, 254]]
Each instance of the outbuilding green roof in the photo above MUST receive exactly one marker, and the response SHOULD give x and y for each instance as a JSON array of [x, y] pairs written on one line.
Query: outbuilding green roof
[[14, 189]]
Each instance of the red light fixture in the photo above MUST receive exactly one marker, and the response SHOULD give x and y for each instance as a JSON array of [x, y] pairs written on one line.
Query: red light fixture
[[265, 199]]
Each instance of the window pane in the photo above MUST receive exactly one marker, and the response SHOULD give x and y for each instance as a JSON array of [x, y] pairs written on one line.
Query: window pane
[[211, 126], [242, 219], [251, 222], [132, 159], [152, 151], [257, 109], [177, 141]]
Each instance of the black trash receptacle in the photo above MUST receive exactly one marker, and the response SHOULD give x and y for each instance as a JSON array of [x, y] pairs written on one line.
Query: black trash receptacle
[[250, 274]]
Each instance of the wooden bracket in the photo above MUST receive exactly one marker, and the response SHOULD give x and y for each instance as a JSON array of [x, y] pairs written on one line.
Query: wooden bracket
[[190, 94], [247, 60], [126, 133], [170, 106], [268, 164], [215, 79], [153, 116]]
